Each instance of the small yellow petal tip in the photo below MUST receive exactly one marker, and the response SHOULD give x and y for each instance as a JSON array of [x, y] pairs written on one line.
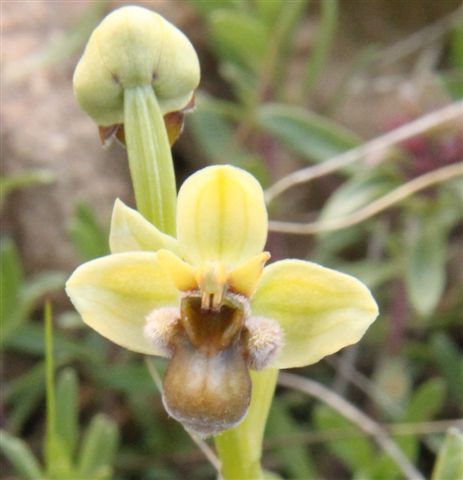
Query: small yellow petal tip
[[182, 274], [244, 278]]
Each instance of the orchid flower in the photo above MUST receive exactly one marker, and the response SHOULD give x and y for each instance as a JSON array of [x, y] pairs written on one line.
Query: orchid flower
[[205, 301]]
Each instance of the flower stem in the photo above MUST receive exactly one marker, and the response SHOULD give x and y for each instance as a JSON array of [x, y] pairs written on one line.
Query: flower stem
[[240, 449], [50, 387], [150, 158]]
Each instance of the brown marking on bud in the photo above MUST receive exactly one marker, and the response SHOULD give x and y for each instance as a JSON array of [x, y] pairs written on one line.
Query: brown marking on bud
[[109, 133], [175, 121]]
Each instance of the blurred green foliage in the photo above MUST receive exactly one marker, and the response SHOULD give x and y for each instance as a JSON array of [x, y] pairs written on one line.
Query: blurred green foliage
[[407, 371]]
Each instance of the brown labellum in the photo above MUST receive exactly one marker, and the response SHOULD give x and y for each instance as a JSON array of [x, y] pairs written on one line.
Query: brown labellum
[[207, 385]]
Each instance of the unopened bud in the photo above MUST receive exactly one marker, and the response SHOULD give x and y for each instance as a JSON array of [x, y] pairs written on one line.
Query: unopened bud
[[133, 47]]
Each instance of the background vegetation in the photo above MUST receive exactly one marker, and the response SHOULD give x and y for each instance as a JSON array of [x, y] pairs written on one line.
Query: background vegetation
[[286, 85]]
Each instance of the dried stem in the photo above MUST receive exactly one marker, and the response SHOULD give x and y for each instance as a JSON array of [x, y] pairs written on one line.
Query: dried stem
[[420, 183], [452, 112], [356, 416]]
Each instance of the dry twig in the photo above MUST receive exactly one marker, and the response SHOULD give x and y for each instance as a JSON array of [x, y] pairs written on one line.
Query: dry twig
[[452, 112], [420, 183]]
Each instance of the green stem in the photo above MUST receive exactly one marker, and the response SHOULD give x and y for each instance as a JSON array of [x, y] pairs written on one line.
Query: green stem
[[240, 449], [50, 386], [150, 158]]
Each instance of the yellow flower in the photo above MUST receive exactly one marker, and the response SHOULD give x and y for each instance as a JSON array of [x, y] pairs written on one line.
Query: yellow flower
[[205, 300]]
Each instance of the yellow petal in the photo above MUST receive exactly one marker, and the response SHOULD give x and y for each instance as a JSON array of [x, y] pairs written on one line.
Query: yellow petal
[[221, 216], [114, 294], [182, 274], [320, 310], [244, 278], [130, 231]]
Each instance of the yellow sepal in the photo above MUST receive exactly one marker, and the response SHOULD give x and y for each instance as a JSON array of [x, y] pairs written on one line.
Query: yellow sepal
[[221, 216]]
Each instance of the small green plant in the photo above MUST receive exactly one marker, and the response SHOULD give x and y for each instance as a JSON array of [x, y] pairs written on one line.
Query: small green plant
[[68, 453]]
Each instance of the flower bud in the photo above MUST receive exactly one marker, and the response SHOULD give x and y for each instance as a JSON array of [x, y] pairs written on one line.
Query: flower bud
[[134, 46]]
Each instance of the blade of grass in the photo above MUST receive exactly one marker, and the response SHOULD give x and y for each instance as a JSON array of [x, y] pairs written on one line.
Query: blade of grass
[[50, 386], [317, 60], [20, 456]]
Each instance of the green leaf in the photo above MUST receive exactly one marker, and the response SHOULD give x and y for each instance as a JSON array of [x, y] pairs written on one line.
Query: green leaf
[[59, 463], [305, 133], [392, 378], [25, 179], [243, 83], [212, 130], [23, 394], [425, 264], [88, 237], [371, 272], [12, 278], [295, 458], [450, 362], [269, 11], [208, 7], [67, 391], [125, 378], [20, 456], [456, 46], [29, 339], [356, 193], [238, 38], [99, 445], [30, 292], [449, 464], [426, 401], [453, 83], [356, 452]]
